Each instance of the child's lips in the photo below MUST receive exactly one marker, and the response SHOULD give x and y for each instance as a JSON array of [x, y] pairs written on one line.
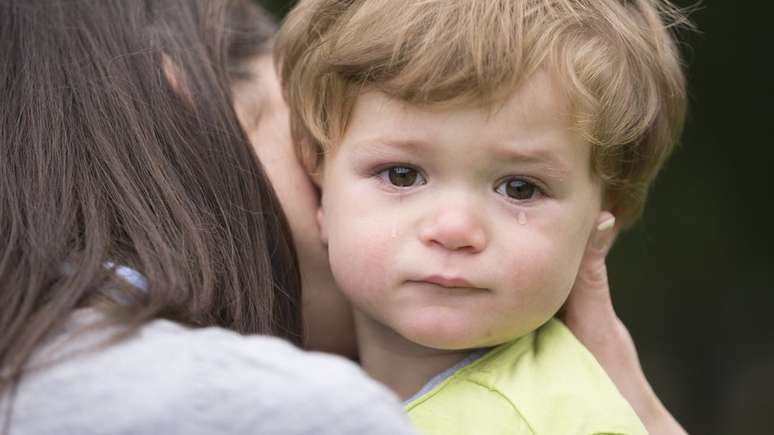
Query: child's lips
[[447, 281]]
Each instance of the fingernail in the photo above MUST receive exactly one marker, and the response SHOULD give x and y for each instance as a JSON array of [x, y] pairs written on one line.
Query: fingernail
[[607, 224], [603, 237]]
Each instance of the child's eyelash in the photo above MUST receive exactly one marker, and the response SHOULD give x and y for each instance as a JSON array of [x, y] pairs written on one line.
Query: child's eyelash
[[520, 189], [400, 176]]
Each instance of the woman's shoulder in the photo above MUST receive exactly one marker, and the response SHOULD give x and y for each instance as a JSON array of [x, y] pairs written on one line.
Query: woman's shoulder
[[167, 378]]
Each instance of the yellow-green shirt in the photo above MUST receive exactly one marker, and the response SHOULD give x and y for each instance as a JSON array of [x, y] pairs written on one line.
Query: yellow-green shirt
[[546, 382]]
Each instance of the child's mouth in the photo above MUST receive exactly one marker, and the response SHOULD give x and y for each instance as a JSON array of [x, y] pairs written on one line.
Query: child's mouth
[[447, 281]]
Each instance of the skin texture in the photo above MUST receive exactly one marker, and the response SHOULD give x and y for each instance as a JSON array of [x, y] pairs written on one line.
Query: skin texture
[[391, 247]]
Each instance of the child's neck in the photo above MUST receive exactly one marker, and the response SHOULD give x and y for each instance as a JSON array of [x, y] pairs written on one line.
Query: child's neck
[[402, 365]]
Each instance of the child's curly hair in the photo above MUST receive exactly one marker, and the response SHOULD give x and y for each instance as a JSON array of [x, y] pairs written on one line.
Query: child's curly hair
[[616, 60]]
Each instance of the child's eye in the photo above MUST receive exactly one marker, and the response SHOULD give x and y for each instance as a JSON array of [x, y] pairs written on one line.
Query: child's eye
[[517, 189], [402, 176]]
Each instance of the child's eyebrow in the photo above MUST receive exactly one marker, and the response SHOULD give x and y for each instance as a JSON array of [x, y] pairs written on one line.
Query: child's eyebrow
[[402, 144], [541, 157], [546, 159], [380, 145]]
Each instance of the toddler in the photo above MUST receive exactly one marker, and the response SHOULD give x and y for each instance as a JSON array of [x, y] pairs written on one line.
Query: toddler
[[466, 150]]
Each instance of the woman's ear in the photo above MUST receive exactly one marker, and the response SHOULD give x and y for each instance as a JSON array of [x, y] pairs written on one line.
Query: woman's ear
[[175, 77]]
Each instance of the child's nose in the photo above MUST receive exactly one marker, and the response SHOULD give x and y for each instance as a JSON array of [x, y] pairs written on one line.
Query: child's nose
[[454, 228]]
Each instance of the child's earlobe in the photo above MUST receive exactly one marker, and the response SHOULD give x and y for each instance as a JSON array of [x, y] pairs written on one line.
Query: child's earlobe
[[320, 217]]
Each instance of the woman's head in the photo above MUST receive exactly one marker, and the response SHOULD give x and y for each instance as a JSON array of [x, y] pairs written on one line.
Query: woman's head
[[119, 145], [264, 116]]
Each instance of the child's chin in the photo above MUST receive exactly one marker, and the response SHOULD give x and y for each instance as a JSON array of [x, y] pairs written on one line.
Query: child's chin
[[445, 335]]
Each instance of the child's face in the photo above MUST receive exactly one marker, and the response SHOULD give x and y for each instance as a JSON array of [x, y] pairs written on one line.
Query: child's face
[[459, 228]]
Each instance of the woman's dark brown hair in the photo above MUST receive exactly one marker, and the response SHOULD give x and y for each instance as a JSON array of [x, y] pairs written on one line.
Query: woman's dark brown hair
[[119, 146]]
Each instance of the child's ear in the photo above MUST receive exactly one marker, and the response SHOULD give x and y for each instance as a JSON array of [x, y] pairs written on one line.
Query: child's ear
[[312, 163], [316, 177], [608, 202], [320, 215]]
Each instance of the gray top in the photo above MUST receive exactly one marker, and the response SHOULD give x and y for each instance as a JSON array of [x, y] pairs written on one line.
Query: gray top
[[168, 379]]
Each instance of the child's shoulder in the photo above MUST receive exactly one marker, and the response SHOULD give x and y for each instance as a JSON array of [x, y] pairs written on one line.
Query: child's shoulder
[[543, 383]]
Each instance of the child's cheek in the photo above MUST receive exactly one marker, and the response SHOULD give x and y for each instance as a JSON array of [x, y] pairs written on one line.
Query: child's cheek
[[359, 249], [539, 278]]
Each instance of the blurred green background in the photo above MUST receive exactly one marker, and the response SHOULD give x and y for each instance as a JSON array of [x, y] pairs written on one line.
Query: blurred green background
[[693, 280]]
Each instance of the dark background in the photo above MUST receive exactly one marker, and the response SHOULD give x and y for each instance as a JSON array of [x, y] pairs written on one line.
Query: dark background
[[693, 280]]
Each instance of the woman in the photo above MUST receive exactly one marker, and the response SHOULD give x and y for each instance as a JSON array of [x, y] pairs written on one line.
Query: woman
[[120, 152], [264, 116]]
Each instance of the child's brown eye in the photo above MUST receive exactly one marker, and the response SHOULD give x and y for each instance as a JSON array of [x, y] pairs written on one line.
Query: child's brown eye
[[402, 176], [517, 189]]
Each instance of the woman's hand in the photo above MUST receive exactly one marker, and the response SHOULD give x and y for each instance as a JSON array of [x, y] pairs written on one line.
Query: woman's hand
[[590, 315]]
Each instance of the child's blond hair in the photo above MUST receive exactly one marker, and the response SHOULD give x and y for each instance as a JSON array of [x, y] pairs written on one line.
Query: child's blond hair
[[617, 61]]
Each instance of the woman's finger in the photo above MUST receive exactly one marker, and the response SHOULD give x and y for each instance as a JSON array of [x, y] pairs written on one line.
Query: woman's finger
[[590, 295]]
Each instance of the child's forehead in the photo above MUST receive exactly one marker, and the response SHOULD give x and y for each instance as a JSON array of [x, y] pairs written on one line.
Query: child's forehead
[[536, 102], [540, 84]]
